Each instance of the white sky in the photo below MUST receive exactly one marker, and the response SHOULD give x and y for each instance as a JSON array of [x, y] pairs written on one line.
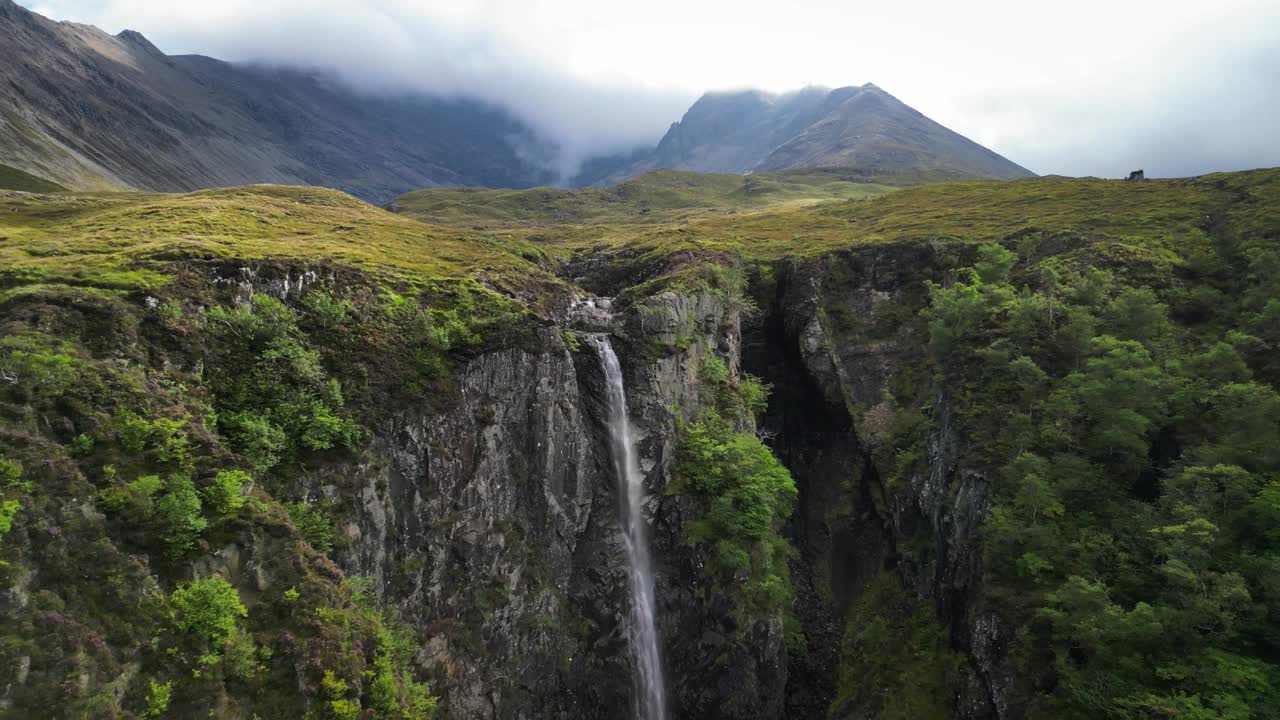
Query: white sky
[[1083, 87]]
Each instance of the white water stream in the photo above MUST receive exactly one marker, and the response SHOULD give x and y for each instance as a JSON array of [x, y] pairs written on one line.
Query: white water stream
[[652, 698]]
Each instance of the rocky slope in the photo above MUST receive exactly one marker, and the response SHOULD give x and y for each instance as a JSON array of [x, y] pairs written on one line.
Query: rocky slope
[[753, 131], [90, 110], [427, 493]]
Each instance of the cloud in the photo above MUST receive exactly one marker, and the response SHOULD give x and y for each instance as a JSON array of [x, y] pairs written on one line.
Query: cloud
[[1092, 87], [393, 48], [1201, 100]]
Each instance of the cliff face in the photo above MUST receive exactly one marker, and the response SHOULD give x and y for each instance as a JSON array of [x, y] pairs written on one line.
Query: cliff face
[[842, 331], [488, 522], [493, 528]]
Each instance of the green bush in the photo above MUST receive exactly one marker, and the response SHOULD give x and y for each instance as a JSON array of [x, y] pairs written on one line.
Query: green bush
[[8, 509], [223, 494], [754, 393], [329, 312], [177, 516], [10, 473], [313, 524], [165, 438], [208, 609], [136, 498], [748, 495], [132, 433], [39, 365], [158, 698], [275, 400]]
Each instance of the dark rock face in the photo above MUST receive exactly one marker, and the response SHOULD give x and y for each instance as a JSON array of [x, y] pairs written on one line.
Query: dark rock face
[[493, 525], [842, 329]]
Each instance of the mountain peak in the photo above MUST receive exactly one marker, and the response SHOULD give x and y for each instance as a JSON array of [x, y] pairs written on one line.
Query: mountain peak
[[136, 39], [864, 126]]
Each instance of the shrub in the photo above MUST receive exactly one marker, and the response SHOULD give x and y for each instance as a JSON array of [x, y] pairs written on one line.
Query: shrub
[[170, 314], [164, 436], [262, 442], [8, 509], [329, 312], [209, 609], [39, 365], [223, 493], [10, 472], [132, 432], [754, 393], [158, 696], [748, 496], [313, 524], [178, 517], [135, 498]]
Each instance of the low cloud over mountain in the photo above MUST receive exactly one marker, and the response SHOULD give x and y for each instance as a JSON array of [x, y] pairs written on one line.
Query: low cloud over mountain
[[1175, 87]]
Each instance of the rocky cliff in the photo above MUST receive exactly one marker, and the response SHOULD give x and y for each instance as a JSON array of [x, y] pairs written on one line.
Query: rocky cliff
[[1012, 464]]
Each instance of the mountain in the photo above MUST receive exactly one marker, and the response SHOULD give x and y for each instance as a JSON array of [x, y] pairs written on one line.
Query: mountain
[[752, 131], [89, 110], [92, 111]]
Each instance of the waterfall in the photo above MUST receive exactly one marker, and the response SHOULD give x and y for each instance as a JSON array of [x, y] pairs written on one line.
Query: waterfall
[[652, 698]]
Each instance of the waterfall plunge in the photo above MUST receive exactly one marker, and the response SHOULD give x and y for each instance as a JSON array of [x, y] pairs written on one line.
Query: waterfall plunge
[[652, 698]]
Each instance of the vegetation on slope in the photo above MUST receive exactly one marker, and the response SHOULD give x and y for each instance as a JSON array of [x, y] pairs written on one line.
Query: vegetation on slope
[[123, 488], [745, 495], [129, 241], [676, 247], [154, 414], [1120, 393], [1132, 441], [655, 197], [12, 178]]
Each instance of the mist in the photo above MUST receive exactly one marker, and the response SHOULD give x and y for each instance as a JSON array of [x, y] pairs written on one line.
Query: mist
[[1097, 88]]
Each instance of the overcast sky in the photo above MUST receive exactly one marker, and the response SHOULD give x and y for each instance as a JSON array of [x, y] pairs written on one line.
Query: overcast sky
[[1089, 87]]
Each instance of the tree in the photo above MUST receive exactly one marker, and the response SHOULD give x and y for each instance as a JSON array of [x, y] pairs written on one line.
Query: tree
[[178, 516], [223, 493], [208, 608]]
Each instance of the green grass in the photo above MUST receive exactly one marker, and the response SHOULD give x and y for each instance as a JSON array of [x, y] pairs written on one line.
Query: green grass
[[1164, 212], [669, 223], [983, 212], [656, 197], [1161, 220], [12, 178], [125, 241]]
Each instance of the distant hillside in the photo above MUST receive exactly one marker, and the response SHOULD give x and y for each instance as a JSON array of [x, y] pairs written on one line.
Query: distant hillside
[[655, 197], [15, 179], [752, 131], [94, 111]]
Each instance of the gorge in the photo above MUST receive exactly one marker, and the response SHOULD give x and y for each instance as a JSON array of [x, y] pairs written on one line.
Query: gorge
[[963, 450]]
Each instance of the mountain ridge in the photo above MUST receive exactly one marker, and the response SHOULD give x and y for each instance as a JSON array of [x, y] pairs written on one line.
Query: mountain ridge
[[815, 127], [92, 111], [95, 111]]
